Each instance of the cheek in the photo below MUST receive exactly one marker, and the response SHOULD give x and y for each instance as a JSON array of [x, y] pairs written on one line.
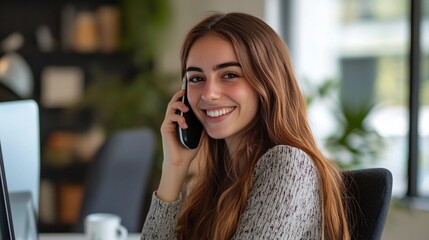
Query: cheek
[[252, 106], [252, 103], [193, 97], [247, 97]]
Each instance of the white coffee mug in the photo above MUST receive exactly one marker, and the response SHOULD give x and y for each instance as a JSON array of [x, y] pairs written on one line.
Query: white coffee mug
[[104, 226]]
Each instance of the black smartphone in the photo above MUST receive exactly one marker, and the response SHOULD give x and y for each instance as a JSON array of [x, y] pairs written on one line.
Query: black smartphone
[[189, 137]]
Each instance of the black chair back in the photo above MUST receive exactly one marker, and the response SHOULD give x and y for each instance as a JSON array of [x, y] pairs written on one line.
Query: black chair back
[[370, 192], [118, 178]]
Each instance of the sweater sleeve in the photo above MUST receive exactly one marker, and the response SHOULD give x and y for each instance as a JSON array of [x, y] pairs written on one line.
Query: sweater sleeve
[[161, 219], [284, 202]]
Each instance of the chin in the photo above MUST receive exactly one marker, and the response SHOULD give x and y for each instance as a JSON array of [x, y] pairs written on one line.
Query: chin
[[217, 134]]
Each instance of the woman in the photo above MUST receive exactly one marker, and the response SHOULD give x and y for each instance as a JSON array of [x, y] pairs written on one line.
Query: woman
[[262, 175]]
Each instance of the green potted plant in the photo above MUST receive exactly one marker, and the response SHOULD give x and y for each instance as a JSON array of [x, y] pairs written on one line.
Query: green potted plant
[[354, 142]]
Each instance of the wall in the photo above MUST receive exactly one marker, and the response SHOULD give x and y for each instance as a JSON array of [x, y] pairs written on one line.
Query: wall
[[186, 13]]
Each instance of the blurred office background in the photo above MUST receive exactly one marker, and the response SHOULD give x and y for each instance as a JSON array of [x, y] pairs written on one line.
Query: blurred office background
[[97, 67]]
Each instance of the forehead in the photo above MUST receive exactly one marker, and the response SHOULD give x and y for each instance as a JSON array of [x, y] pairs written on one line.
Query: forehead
[[211, 49]]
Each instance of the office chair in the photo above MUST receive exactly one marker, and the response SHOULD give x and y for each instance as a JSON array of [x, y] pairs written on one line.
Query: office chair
[[369, 192], [118, 177]]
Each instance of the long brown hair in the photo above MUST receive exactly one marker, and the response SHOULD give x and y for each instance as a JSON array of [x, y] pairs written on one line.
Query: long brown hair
[[213, 208]]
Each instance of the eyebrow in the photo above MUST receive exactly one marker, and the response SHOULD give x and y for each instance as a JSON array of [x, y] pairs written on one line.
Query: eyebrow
[[215, 68]]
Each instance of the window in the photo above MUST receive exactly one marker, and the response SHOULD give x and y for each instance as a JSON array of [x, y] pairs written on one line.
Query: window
[[362, 47], [423, 156]]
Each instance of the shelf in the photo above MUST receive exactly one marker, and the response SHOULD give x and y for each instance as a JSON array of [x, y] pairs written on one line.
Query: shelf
[[56, 1], [74, 173], [112, 61], [59, 17], [27, 17], [73, 54]]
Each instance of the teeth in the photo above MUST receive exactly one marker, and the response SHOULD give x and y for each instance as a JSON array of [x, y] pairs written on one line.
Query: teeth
[[219, 112]]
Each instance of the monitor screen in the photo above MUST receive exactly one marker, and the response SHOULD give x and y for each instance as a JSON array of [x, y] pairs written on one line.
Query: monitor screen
[[19, 135], [6, 225]]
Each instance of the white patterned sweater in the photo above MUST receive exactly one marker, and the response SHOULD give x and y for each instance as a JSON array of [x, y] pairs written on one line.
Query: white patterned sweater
[[284, 203]]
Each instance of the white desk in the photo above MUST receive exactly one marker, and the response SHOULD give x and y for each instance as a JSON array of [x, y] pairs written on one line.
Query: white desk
[[76, 236]]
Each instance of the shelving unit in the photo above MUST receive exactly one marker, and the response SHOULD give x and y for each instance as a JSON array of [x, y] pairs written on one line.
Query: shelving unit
[[27, 17], [59, 118]]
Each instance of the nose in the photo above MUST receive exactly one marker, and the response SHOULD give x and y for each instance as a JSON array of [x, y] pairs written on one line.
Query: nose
[[211, 90]]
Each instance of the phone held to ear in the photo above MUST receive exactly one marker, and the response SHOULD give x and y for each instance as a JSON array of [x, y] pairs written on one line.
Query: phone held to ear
[[189, 137]]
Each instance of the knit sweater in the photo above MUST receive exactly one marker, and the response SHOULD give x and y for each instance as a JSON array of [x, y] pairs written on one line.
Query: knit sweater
[[284, 202]]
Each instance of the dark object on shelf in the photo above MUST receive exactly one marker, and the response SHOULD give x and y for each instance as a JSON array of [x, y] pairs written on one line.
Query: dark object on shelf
[[6, 94], [70, 174], [118, 178], [370, 192]]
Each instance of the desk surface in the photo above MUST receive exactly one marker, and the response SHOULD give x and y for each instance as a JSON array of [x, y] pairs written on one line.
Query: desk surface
[[76, 236]]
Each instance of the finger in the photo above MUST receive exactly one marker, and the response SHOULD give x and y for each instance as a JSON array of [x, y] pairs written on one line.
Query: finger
[[175, 118], [176, 97], [174, 106], [181, 121]]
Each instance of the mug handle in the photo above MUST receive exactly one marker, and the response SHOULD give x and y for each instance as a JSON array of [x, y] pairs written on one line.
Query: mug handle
[[122, 233]]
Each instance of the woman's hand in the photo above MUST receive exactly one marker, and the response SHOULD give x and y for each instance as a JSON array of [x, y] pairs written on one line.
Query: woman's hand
[[177, 158]]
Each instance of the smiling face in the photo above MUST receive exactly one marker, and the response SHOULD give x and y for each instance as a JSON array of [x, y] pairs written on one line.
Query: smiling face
[[221, 98]]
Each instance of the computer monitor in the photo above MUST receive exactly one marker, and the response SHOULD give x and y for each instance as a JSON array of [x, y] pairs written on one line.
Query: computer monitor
[[20, 137], [6, 223], [23, 215]]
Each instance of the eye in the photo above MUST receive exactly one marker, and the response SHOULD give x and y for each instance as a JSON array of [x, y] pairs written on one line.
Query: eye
[[195, 79], [230, 76]]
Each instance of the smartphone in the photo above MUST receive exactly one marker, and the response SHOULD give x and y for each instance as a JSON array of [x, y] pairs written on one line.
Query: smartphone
[[189, 137]]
